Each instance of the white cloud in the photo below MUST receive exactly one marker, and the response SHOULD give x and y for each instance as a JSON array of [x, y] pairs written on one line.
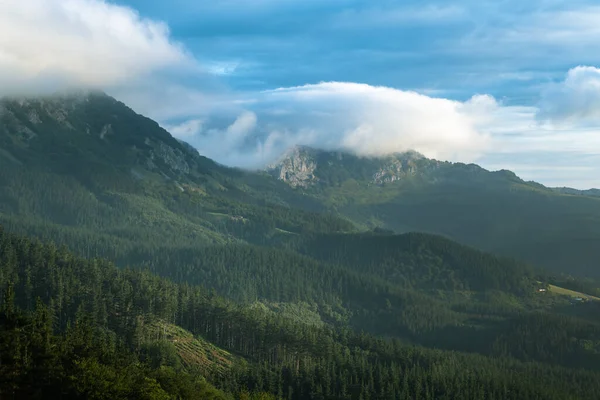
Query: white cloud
[[165, 100], [360, 118], [242, 126], [372, 121], [187, 129], [544, 33], [575, 26], [229, 145], [53, 44], [576, 100]]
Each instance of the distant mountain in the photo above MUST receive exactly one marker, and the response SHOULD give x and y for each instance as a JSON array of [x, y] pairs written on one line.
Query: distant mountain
[[495, 211], [587, 192]]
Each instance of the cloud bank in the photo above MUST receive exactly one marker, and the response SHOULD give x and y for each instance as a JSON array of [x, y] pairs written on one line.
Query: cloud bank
[[537, 140], [364, 119], [49, 45]]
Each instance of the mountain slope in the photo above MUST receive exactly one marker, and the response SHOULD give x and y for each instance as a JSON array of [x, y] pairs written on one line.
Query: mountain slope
[[84, 164], [91, 330], [494, 211]]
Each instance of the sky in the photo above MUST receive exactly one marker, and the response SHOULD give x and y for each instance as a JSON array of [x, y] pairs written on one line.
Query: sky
[[506, 84]]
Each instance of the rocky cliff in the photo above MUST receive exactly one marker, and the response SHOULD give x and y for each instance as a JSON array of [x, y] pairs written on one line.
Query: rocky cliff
[[297, 167], [304, 167]]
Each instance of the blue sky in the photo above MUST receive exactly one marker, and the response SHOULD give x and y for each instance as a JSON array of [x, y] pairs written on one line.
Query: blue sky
[[507, 84], [454, 48], [408, 45]]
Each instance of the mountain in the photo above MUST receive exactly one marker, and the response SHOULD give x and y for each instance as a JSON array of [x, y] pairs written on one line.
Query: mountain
[[587, 192], [79, 132], [84, 169], [495, 211], [85, 165], [305, 167], [149, 271]]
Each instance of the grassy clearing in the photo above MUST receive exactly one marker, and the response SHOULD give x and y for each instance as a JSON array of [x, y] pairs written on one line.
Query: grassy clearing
[[572, 293]]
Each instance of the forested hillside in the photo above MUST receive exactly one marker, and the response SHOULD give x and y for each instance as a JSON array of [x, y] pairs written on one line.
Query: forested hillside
[[133, 267], [78, 328], [85, 165], [494, 211], [419, 260]]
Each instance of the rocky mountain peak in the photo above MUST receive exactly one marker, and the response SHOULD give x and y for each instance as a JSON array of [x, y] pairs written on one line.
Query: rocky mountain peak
[[296, 167], [303, 166]]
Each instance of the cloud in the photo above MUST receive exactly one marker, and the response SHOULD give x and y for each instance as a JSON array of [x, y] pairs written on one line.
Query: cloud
[[576, 100], [186, 129], [53, 44], [364, 119], [166, 100], [228, 145], [242, 126], [538, 34], [223, 68], [371, 121], [573, 26]]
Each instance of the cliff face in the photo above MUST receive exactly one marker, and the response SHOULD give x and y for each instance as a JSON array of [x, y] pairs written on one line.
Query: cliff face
[[303, 167], [297, 167], [394, 168]]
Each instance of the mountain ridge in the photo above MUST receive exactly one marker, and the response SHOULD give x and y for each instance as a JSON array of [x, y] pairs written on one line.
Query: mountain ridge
[[93, 162], [492, 210], [297, 165]]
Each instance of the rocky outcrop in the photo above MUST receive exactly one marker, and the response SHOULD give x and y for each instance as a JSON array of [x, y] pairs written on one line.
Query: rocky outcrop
[[389, 173], [173, 158], [396, 167], [296, 168], [305, 167]]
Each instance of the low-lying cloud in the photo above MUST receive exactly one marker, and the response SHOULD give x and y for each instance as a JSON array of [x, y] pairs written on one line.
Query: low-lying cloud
[[49, 45], [363, 119]]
